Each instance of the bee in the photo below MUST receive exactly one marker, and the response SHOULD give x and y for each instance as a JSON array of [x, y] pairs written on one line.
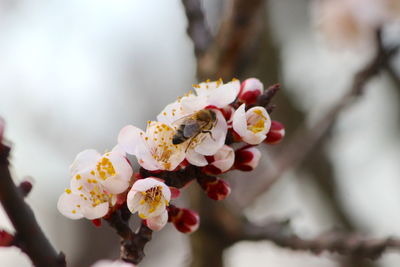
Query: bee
[[193, 125]]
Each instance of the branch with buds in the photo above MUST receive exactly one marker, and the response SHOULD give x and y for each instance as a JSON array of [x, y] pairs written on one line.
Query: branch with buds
[[28, 236]]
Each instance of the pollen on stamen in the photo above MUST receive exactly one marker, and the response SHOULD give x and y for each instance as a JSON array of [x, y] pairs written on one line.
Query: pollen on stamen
[[78, 177], [68, 191], [73, 211]]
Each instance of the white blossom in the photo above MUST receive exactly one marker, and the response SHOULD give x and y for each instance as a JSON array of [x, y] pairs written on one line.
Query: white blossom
[[153, 148], [251, 125], [96, 181], [211, 95], [149, 197]]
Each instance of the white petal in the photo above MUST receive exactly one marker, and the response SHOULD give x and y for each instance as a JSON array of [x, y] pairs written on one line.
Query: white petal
[[239, 121], [224, 158], [195, 158], [158, 222], [211, 144], [224, 94], [92, 213], [130, 139], [84, 159], [120, 182], [67, 203], [144, 184], [133, 200], [171, 113], [115, 184]]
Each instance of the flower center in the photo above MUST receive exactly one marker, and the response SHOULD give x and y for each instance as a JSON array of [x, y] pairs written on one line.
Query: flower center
[[105, 168], [153, 197], [256, 121]]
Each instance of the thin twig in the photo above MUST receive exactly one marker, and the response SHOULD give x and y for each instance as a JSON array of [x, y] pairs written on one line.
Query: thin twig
[[346, 244], [307, 138], [29, 236]]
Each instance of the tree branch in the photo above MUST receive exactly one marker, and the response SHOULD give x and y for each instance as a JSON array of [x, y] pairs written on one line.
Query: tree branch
[[132, 244], [346, 244], [29, 236]]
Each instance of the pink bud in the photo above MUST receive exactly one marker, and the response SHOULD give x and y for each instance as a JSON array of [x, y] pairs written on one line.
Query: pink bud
[[185, 220], [175, 192], [247, 158], [214, 187], [97, 222], [221, 162], [275, 134], [227, 111], [6, 239], [250, 90]]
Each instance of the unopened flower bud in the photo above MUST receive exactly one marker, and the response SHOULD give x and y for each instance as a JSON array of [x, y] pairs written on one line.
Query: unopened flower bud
[[25, 186], [276, 133], [6, 239], [185, 220], [97, 222], [250, 90], [214, 187], [221, 162], [247, 158]]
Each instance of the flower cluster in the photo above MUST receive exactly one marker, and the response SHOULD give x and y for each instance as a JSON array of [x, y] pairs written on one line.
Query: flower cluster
[[209, 131]]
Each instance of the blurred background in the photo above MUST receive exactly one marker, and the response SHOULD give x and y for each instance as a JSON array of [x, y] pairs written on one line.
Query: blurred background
[[73, 73]]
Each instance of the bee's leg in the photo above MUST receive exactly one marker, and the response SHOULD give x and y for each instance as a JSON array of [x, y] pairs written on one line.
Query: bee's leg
[[210, 133], [190, 142]]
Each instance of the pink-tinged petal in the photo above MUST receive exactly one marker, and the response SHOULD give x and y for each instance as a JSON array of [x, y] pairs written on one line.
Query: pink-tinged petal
[[247, 158], [224, 158], [275, 134], [224, 95], [250, 90], [98, 211], [131, 139], [119, 150], [239, 121], [175, 192], [68, 206], [84, 159], [158, 222], [195, 158], [212, 143], [166, 192]]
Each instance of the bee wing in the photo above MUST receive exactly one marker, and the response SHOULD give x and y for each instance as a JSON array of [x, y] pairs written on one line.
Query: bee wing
[[191, 128]]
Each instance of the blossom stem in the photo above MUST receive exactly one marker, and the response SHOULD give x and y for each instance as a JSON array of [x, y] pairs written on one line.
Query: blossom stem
[[132, 244]]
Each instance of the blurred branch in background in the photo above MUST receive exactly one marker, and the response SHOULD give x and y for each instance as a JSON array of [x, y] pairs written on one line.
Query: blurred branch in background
[[306, 138], [224, 59], [29, 237]]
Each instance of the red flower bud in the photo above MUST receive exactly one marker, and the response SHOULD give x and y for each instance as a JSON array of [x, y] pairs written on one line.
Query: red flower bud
[[25, 186], [275, 134], [6, 239], [250, 90], [214, 187], [185, 220], [97, 222], [247, 158]]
